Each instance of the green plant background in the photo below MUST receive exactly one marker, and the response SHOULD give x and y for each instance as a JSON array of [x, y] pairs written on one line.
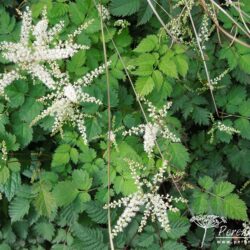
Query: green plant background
[[54, 188]]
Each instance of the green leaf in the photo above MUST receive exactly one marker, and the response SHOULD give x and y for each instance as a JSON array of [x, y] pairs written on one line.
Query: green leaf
[[245, 63], [234, 207], [201, 116], [74, 155], [173, 245], [95, 211], [200, 202], [4, 174], [206, 182], [158, 79], [91, 238], [18, 208], [45, 230], [81, 179], [23, 132], [144, 85], [147, 44], [145, 240], [223, 188], [168, 66], [10, 187], [16, 92], [179, 226], [61, 155], [124, 7], [45, 203], [182, 64], [243, 125], [179, 155], [65, 192]]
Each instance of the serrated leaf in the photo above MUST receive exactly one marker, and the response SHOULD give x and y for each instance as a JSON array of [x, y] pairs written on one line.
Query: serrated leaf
[[206, 182], [144, 85], [200, 202], [45, 203], [124, 7], [95, 211], [4, 174], [81, 179], [168, 66], [223, 188], [179, 155], [64, 192], [234, 207], [45, 230], [173, 245], [243, 125], [201, 116], [18, 208], [147, 44], [23, 132], [74, 155], [10, 187], [182, 64], [91, 238]]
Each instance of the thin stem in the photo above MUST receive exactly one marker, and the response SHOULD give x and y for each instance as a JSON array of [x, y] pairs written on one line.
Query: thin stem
[[215, 21], [203, 60], [204, 237], [231, 18], [159, 18], [109, 127]]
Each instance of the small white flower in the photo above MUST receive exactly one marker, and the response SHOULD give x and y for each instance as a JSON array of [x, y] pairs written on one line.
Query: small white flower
[[155, 128], [70, 93]]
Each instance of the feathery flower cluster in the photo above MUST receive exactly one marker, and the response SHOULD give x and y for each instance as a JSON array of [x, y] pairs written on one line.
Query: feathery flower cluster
[[36, 46], [122, 23], [154, 204], [204, 33], [219, 77], [221, 127], [65, 101], [154, 128], [4, 151], [104, 11]]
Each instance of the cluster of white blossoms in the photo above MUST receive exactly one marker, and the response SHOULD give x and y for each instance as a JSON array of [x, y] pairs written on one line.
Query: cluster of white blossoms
[[4, 151], [122, 23], [218, 125], [156, 127], [65, 101], [147, 199], [36, 53], [37, 45], [204, 33], [104, 12]]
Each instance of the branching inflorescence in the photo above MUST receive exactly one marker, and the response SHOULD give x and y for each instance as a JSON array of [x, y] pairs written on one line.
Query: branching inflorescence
[[65, 101], [155, 127], [146, 197], [37, 45]]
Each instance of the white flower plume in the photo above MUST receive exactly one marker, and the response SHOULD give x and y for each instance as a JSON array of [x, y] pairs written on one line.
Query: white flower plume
[[37, 45], [64, 104], [156, 127], [154, 204]]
